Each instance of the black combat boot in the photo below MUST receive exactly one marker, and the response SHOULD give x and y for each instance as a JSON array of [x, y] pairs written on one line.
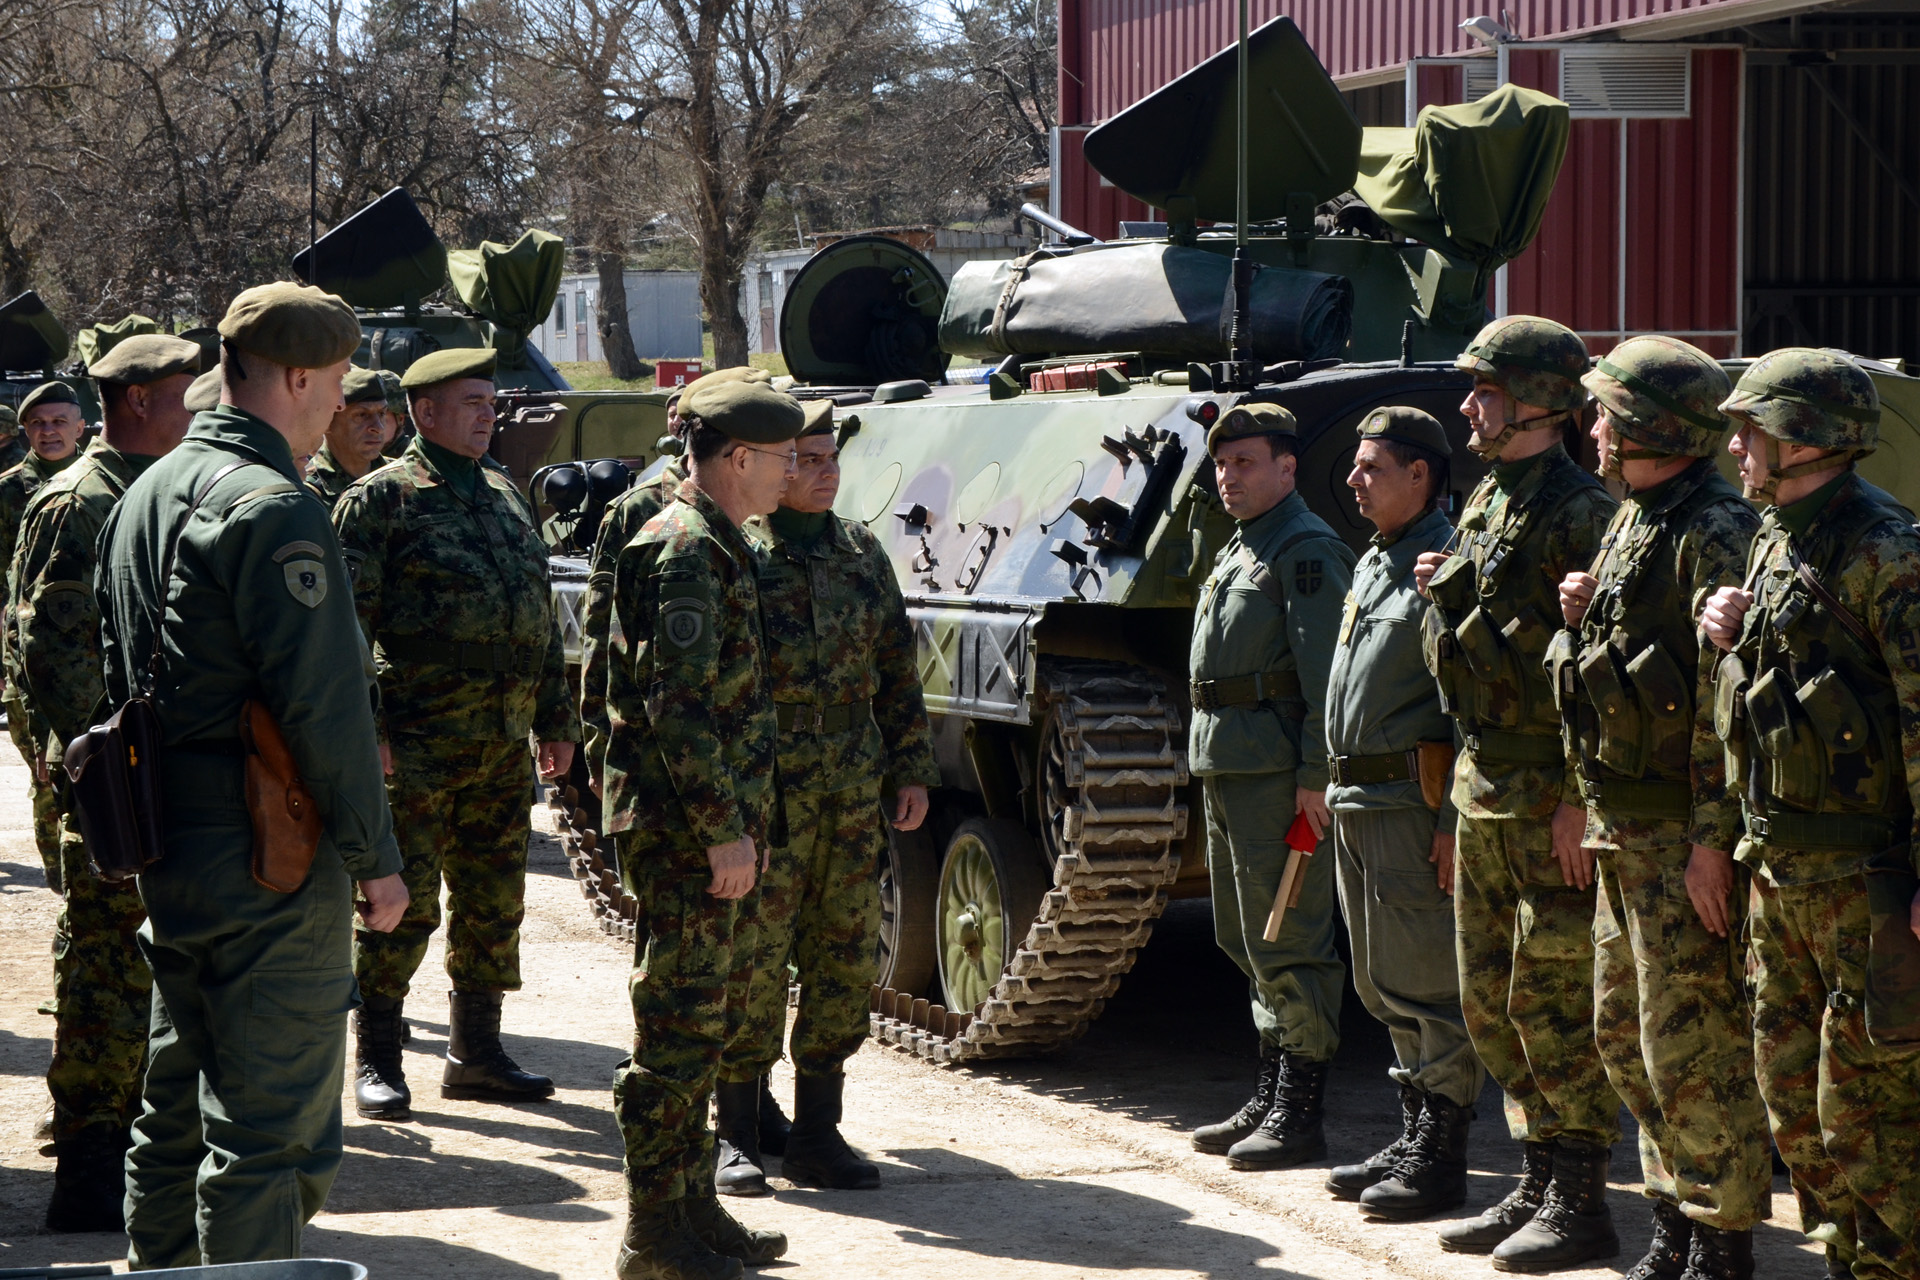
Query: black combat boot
[[89, 1180], [721, 1232], [1432, 1174], [1481, 1234], [1347, 1181], [1215, 1139], [1292, 1133], [774, 1125], [1719, 1255], [660, 1244], [478, 1069], [738, 1167], [1838, 1268], [1573, 1224], [379, 1084], [817, 1156], [1667, 1255]]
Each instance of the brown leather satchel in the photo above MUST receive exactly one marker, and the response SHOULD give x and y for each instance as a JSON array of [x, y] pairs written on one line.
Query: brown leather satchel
[[286, 823], [1436, 772]]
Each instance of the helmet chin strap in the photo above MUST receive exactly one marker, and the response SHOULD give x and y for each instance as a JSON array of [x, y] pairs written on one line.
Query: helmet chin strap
[[1613, 460], [1491, 449], [1770, 453]]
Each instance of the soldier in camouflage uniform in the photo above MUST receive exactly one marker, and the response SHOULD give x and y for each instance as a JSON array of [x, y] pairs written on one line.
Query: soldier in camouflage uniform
[[1523, 891], [400, 431], [355, 437], [847, 694], [1263, 640], [101, 983], [13, 450], [54, 412], [1391, 751], [450, 579], [691, 760], [1818, 701], [1636, 697]]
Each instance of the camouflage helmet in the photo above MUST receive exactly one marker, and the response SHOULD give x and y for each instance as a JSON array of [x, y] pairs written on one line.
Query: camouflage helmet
[[1662, 394], [1809, 396], [1535, 360]]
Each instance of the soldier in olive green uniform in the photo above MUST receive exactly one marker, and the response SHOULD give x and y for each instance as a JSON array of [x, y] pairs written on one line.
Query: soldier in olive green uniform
[[13, 449], [239, 1134], [355, 437], [847, 693], [1636, 695], [1263, 639], [1523, 893], [450, 578], [101, 984], [1393, 841], [1818, 702], [691, 760]]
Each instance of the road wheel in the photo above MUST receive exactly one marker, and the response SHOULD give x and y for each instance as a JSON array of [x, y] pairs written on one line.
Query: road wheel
[[909, 898], [991, 884]]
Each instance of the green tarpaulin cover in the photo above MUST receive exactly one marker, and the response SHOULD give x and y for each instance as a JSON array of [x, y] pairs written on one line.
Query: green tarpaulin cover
[[511, 285], [98, 339]]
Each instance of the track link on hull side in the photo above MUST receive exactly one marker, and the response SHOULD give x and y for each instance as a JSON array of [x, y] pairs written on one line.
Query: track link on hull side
[[1112, 759], [614, 909]]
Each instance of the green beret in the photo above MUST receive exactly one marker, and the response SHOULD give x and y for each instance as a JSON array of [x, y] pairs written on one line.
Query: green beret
[[1407, 425], [1251, 420], [450, 365], [204, 394], [738, 373], [396, 394], [146, 357], [48, 393], [361, 385], [293, 325], [819, 418], [749, 411]]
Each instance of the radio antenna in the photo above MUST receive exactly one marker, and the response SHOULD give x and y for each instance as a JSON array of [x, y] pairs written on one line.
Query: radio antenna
[[1242, 371]]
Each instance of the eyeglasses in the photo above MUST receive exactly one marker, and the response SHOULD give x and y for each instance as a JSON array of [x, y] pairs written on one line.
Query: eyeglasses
[[790, 456]]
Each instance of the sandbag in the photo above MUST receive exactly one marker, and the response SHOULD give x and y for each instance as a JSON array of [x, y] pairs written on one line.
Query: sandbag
[[1160, 299]]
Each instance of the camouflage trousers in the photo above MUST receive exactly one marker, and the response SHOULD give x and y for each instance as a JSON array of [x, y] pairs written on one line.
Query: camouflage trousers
[[1845, 1112], [1525, 944], [1399, 921], [104, 995], [461, 814], [1675, 1033], [46, 797], [693, 966], [1295, 981], [819, 909]]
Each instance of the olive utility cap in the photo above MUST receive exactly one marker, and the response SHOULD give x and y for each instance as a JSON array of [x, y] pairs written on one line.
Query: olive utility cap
[[204, 394], [1407, 425], [362, 386], [1664, 394], [146, 357], [296, 326], [748, 411], [1807, 396], [47, 393], [819, 418], [449, 365], [1251, 420], [1535, 360]]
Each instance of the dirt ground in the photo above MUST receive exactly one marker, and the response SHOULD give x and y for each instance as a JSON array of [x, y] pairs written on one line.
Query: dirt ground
[[1075, 1166]]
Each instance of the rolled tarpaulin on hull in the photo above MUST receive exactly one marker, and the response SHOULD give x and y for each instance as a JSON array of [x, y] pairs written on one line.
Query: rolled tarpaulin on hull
[[1159, 299]]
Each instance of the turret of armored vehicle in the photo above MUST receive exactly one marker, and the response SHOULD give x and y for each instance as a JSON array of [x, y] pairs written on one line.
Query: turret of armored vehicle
[[32, 344]]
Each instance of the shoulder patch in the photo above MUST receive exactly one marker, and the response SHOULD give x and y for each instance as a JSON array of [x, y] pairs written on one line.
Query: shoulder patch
[[310, 550], [1909, 645], [67, 605], [1309, 575], [306, 579]]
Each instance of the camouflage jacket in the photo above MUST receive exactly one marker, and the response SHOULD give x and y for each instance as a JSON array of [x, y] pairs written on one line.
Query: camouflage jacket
[[623, 519], [53, 658], [1642, 680], [1242, 629], [326, 477], [1496, 607], [692, 742], [838, 637], [453, 592], [16, 486], [13, 451]]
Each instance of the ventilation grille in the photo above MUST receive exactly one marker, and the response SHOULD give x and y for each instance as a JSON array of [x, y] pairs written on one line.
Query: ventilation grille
[[1479, 77], [1626, 81]]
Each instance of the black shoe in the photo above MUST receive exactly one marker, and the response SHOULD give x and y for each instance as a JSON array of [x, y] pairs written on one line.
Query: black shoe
[[1484, 1233], [739, 1168], [478, 1069], [1667, 1255], [774, 1125], [1573, 1224], [1347, 1181], [89, 1181], [660, 1244], [1215, 1139], [379, 1084], [817, 1156], [1431, 1174], [1292, 1133], [721, 1232], [1719, 1255], [1838, 1268]]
